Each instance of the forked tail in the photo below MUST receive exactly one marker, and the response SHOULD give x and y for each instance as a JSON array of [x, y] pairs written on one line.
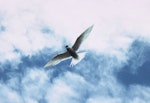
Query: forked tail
[[75, 61]]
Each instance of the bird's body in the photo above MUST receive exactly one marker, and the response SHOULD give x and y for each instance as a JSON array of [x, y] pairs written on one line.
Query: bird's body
[[71, 51]]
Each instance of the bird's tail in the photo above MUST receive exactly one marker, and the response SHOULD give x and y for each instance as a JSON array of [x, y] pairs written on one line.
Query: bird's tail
[[75, 61]]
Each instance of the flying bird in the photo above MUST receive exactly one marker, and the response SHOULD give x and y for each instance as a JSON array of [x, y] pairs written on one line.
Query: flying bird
[[71, 52]]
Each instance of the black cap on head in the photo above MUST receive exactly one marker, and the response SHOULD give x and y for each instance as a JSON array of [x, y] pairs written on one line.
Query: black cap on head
[[66, 46]]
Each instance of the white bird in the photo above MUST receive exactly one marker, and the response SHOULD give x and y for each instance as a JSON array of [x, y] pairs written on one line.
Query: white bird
[[71, 51]]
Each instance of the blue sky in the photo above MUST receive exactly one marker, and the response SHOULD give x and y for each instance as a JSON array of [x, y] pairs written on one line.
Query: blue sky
[[115, 69]]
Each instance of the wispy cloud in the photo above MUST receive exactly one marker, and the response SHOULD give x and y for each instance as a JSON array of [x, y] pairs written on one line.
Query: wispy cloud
[[113, 71]]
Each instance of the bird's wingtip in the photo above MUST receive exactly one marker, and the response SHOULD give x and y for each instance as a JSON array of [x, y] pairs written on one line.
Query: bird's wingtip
[[46, 65], [92, 26]]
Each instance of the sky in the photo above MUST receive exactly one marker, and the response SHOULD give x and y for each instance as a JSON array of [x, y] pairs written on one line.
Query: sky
[[116, 66]]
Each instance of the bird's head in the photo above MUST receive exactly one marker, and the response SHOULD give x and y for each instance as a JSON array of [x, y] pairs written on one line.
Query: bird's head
[[67, 46]]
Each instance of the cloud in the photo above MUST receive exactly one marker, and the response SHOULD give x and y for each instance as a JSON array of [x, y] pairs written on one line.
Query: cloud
[[137, 66], [34, 85], [104, 100], [31, 32], [137, 95], [8, 95]]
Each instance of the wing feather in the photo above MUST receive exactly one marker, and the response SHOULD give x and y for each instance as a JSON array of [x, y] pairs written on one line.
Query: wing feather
[[81, 38], [57, 59]]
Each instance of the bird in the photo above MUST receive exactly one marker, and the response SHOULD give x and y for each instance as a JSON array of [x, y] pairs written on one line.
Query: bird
[[71, 52]]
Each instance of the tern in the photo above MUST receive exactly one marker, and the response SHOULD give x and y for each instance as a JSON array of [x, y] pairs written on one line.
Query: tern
[[71, 52]]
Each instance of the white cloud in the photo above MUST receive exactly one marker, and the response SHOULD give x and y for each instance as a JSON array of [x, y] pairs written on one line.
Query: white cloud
[[67, 88], [139, 94], [34, 85], [23, 32], [104, 100], [60, 92], [112, 19], [117, 25], [7, 95]]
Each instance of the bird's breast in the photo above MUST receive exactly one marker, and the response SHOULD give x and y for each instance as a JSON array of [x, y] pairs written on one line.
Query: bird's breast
[[72, 53]]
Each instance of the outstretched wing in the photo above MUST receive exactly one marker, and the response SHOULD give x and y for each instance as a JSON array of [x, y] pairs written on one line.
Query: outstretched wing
[[81, 38], [57, 59]]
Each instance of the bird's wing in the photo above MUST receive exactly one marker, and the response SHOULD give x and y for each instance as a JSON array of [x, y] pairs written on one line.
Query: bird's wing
[[57, 59], [81, 38]]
